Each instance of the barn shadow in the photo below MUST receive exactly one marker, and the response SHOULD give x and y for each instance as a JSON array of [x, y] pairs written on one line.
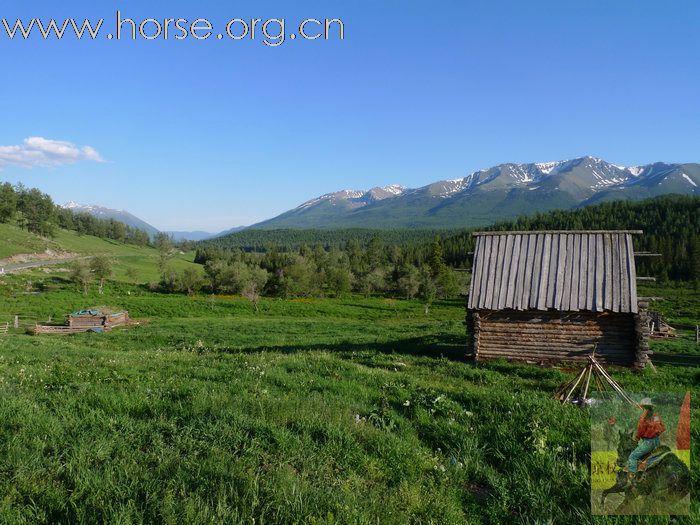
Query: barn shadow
[[448, 346]]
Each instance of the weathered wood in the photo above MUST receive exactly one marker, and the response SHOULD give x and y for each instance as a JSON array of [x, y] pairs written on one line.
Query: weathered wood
[[41, 329], [555, 296], [505, 272], [491, 274], [616, 281], [607, 275], [626, 273], [599, 274], [538, 292], [564, 298], [530, 232], [558, 270], [514, 269], [522, 268], [557, 336], [589, 300], [477, 276], [575, 289]]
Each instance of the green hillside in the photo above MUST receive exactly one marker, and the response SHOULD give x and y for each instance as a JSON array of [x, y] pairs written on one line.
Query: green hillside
[[139, 261]]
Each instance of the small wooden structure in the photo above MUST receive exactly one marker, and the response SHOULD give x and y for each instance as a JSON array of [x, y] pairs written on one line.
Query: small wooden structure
[[659, 328], [554, 296], [97, 318], [87, 321], [592, 376], [4, 328]]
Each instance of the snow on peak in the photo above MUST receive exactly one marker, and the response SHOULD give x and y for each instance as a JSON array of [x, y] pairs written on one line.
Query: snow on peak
[[71, 205], [691, 181], [394, 189], [547, 167], [333, 198], [349, 194]]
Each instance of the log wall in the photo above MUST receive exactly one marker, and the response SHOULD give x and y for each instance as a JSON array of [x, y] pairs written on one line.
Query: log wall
[[554, 336], [91, 321]]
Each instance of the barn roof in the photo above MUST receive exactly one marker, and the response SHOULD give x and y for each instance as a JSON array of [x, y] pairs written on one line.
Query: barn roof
[[564, 270]]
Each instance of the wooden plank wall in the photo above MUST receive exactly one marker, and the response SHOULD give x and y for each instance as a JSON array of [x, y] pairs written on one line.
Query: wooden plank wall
[[89, 321], [86, 321], [545, 337]]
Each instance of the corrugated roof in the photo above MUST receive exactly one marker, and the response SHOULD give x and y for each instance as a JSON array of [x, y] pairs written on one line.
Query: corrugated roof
[[564, 270]]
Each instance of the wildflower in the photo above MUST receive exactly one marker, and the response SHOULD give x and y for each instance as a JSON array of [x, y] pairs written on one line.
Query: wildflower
[[407, 403]]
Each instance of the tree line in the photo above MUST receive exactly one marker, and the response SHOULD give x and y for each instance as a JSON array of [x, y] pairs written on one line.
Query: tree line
[[36, 212], [671, 226], [373, 269], [258, 240]]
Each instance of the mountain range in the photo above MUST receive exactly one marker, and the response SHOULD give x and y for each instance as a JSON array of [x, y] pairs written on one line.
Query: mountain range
[[501, 192], [107, 213], [479, 199]]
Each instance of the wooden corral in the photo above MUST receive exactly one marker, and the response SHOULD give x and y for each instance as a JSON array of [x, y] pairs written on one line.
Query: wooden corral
[[86, 321], [554, 296], [94, 318]]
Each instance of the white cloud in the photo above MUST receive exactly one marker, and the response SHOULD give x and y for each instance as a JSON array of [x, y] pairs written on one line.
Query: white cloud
[[38, 152]]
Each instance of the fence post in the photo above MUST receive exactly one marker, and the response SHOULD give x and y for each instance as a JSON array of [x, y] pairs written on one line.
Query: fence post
[[16, 321], [697, 334]]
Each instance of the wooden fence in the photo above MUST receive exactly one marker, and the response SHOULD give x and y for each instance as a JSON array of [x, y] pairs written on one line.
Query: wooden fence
[[45, 329]]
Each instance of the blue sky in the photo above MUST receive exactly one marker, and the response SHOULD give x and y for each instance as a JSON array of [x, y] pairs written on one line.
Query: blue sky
[[213, 134]]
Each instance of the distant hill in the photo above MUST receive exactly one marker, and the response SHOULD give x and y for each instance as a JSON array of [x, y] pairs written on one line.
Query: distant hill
[[502, 192], [190, 236], [108, 213], [201, 235]]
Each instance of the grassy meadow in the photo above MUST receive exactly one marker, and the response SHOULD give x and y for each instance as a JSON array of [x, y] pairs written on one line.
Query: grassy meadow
[[348, 410]]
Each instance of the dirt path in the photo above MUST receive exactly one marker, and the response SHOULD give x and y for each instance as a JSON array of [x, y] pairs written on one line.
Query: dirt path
[[15, 267]]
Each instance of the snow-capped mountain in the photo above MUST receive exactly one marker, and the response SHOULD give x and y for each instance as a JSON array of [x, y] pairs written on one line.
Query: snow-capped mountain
[[354, 198], [108, 213], [500, 192]]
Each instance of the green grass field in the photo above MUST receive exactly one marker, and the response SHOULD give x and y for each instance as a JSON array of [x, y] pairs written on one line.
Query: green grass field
[[309, 411]]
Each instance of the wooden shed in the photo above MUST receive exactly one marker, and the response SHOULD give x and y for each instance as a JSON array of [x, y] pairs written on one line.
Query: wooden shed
[[554, 296]]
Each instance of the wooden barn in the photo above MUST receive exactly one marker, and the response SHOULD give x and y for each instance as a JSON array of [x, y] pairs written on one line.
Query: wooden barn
[[554, 296]]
